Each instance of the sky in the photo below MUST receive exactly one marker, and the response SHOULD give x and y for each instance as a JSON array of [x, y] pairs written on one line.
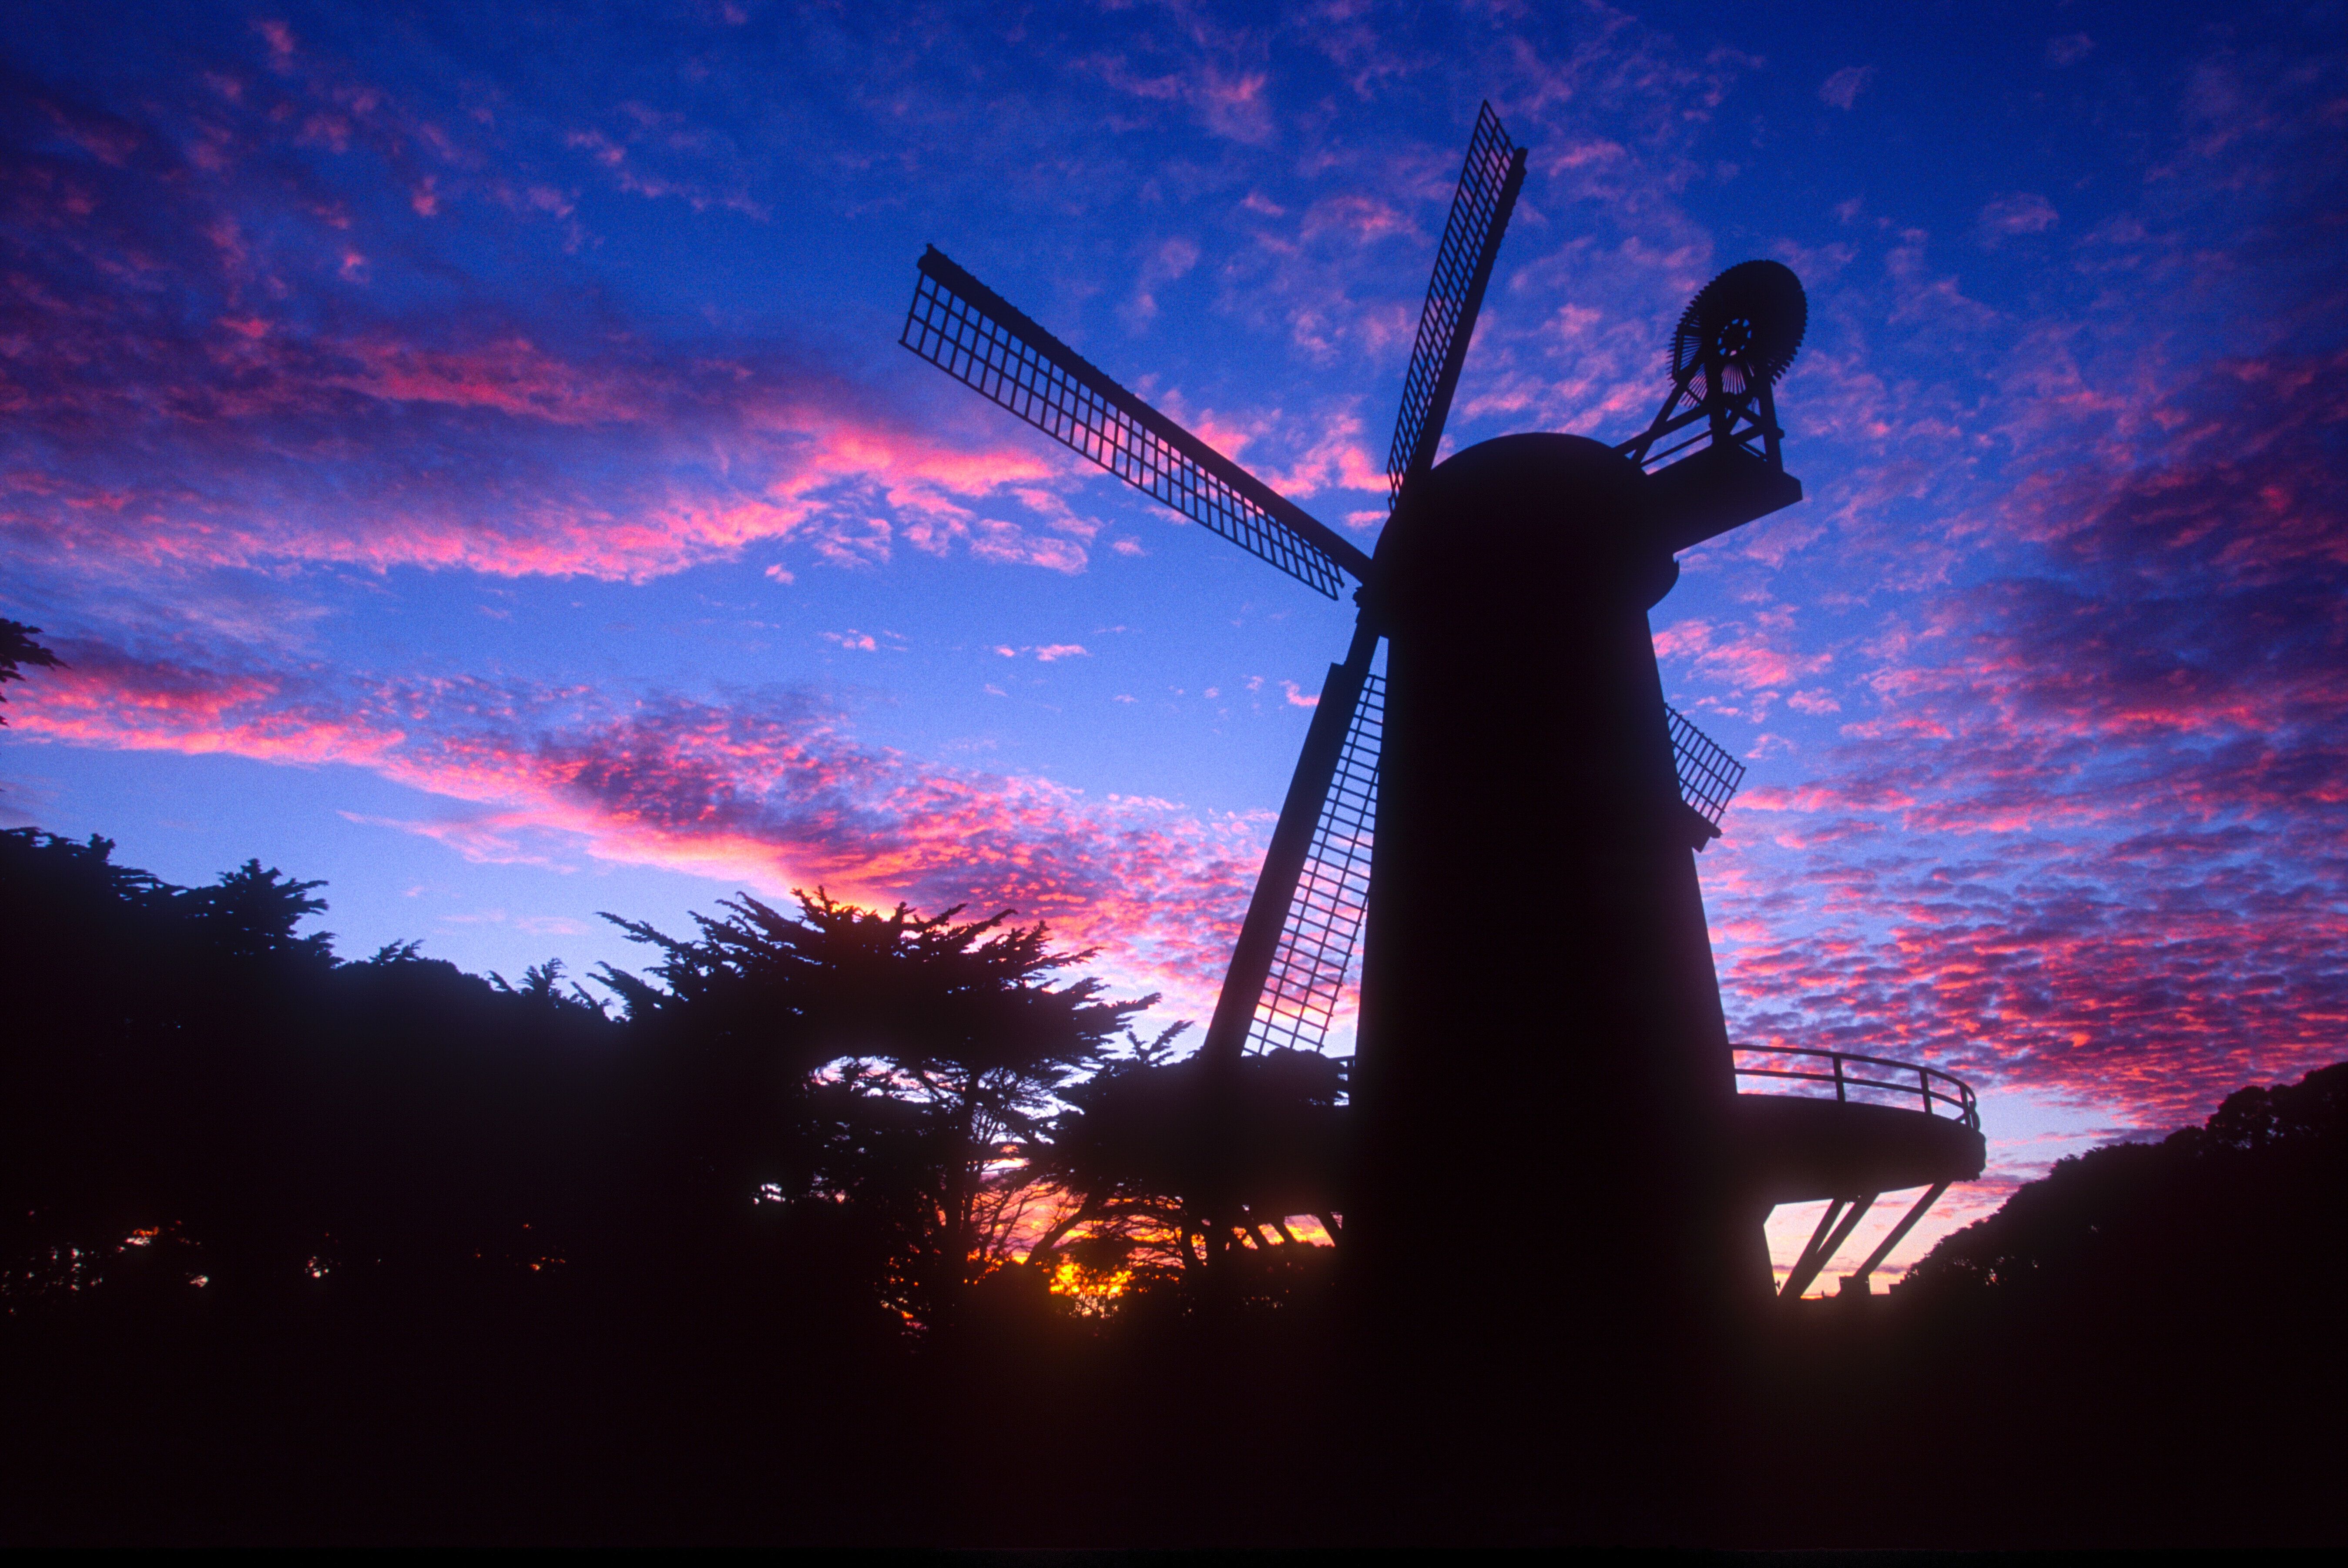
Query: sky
[[463, 453]]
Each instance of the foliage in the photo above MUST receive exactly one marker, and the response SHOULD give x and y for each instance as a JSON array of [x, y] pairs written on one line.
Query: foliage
[[702, 1225], [2251, 1194], [904, 1063], [1153, 1148], [17, 650], [183, 1063], [922, 1101], [189, 1069]]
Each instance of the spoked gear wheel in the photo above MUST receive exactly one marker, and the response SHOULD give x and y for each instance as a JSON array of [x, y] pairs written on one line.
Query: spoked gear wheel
[[1749, 321]]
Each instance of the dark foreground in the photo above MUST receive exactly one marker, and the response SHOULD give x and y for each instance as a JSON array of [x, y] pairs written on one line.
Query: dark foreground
[[536, 1420], [297, 1249]]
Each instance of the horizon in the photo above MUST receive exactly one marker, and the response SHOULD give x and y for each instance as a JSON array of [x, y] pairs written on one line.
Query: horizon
[[471, 463]]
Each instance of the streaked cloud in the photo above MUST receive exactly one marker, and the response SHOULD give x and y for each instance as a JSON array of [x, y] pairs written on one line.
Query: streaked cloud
[[770, 789]]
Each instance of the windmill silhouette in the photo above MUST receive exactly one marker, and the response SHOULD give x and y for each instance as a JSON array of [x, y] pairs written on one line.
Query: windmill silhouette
[[1540, 1022]]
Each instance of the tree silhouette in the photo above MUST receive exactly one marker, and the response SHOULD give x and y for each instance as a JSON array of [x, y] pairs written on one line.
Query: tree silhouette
[[902, 1062], [17, 649], [182, 1065], [2249, 1194], [78, 933], [540, 983], [451, 1225], [1150, 1150], [247, 916]]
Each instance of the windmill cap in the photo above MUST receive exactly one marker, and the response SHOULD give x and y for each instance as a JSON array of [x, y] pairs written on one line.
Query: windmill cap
[[1541, 517]]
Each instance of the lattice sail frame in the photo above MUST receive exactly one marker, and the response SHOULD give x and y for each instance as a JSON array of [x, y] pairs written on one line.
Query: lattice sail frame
[[966, 329], [1475, 207], [1314, 960], [1708, 774]]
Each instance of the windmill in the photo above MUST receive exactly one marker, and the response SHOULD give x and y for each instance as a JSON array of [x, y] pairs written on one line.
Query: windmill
[[1440, 764]]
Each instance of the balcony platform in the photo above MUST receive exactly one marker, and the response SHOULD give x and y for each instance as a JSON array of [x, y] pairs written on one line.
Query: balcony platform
[[1798, 1149], [1831, 1126]]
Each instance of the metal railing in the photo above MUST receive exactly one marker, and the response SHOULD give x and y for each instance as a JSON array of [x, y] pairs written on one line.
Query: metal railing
[[1867, 1079]]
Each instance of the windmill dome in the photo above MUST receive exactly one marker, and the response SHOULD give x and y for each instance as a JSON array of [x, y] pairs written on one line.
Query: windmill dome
[[1519, 516]]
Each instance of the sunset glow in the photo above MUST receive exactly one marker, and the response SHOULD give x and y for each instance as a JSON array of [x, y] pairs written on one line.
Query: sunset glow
[[1088, 1289]]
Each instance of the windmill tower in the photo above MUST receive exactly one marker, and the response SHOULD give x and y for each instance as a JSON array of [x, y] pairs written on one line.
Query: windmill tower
[[1541, 1022]]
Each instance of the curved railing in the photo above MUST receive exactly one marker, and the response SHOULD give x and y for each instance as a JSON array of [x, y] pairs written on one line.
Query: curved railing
[[1870, 1079]]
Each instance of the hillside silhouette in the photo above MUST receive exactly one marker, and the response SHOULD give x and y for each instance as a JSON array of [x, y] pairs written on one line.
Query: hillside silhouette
[[866, 1225]]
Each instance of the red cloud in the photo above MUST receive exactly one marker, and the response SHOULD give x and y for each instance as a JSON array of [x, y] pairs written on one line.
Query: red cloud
[[181, 396], [771, 792], [2086, 843]]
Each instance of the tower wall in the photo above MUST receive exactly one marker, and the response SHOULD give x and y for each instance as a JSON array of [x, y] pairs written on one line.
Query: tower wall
[[1544, 1082]]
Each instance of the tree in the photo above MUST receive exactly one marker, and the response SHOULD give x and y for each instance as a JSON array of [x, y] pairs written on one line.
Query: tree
[[905, 1063], [1149, 1147], [79, 938], [2148, 1337], [18, 648], [247, 916], [2251, 1196], [180, 1067]]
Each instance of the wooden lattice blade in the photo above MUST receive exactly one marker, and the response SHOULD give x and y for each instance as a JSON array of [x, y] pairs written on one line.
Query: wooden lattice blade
[[971, 332]]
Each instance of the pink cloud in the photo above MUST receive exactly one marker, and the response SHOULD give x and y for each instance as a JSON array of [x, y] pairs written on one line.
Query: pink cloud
[[1228, 102], [2069, 49], [1763, 658], [291, 435], [2024, 213], [1047, 653], [807, 462], [1359, 218], [1339, 458], [1841, 89], [2080, 844], [770, 793], [280, 38]]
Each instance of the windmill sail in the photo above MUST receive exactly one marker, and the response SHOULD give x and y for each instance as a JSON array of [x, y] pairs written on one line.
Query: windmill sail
[[1489, 184], [971, 332], [1315, 955], [1332, 847], [1296, 948], [1708, 774]]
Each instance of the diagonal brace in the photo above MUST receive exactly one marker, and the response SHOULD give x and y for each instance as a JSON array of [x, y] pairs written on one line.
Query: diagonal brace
[[1899, 1233], [1823, 1247]]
